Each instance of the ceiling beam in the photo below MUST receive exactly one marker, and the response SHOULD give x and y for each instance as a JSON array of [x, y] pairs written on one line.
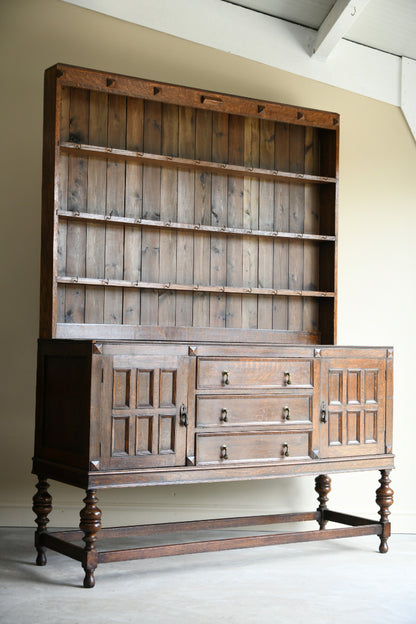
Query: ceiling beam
[[336, 25], [264, 39]]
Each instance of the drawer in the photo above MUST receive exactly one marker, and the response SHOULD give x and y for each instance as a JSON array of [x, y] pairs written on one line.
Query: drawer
[[224, 449], [230, 373], [229, 411]]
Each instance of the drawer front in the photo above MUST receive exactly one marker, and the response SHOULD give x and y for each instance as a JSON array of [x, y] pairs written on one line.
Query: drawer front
[[229, 373], [248, 410], [223, 449]]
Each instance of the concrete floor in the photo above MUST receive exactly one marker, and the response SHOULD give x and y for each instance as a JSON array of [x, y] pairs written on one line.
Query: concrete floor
[[336, 582]]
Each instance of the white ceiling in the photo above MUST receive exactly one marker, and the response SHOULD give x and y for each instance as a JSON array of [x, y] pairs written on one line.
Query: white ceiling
[[364, 46], [387, 25]]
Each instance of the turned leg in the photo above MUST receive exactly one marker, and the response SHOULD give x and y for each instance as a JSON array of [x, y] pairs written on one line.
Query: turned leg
[[42, 507], [384, 498], [90, 524], [322, 487]]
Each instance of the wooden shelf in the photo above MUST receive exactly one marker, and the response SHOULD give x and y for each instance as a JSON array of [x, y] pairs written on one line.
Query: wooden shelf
[[233, 290], [83, 149], [128, 221]]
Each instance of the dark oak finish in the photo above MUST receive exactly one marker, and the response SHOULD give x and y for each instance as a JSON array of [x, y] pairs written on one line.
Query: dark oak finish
[[42, 507], [90, 524], [384, 499], [188, 310], [323, 487]]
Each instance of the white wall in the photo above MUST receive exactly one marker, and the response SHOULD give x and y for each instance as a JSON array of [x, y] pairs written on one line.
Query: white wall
[[377, 254]]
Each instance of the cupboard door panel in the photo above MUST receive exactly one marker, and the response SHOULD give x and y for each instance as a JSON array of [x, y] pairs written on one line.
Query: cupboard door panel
[[353, 396], [141, 412]]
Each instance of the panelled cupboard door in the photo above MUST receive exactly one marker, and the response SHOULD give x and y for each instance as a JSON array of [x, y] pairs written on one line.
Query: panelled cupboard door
[[352, 407], [141, 411]]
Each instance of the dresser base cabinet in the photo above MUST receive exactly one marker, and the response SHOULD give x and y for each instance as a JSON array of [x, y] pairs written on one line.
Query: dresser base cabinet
[[120, 414]]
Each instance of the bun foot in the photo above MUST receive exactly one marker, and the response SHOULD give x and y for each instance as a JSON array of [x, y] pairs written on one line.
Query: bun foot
[[41, 558], [89, 580], [384, 547]]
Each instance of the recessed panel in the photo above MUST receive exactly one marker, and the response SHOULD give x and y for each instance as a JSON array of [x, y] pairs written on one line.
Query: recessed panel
[[144, 435], [370, 426], [167, 388], [167, 434], [353, 427], [335, 428], [144, 392], [121, 389], [353, 386], [370, 385], [335, 379], [120, 435]]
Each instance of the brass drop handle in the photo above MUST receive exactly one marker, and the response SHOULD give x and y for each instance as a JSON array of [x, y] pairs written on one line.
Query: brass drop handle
[[285, 449], [224, 415], [323, 412], [226, 379], [288, 380], [286, 412], [224, 452]]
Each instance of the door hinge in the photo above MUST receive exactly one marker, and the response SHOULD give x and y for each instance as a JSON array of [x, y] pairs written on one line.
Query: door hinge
[[102, 375]]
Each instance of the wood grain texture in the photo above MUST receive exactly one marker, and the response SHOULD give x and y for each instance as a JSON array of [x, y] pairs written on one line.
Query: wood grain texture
[[134, 210], [168, 212], [311, 225], [218, 217], [96, 204], [266, 218], [186, 202], [77, 201], [114, 236], [250, 221], [281, 223], [63, 201], [203, 146], [296, 224], [233, 310], [152, 142]]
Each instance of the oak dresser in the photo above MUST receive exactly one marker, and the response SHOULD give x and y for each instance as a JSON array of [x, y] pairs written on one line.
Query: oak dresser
[[188, 311]]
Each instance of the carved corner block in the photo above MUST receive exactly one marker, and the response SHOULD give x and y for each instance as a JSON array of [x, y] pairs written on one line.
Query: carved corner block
[[97, 348], [317, 353], [95, 465]]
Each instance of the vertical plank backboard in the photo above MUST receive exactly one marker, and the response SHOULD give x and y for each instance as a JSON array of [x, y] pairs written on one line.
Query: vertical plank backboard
[[311, 226], [186, 202], [77, 200], [266, 218], [63, 203], [203, 141], [168, 212], [218, 217], [281, 224], [251, 222], [235, 220], [96, 204], [114, 240], [296, 221], [152, 142], [133, 209]]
